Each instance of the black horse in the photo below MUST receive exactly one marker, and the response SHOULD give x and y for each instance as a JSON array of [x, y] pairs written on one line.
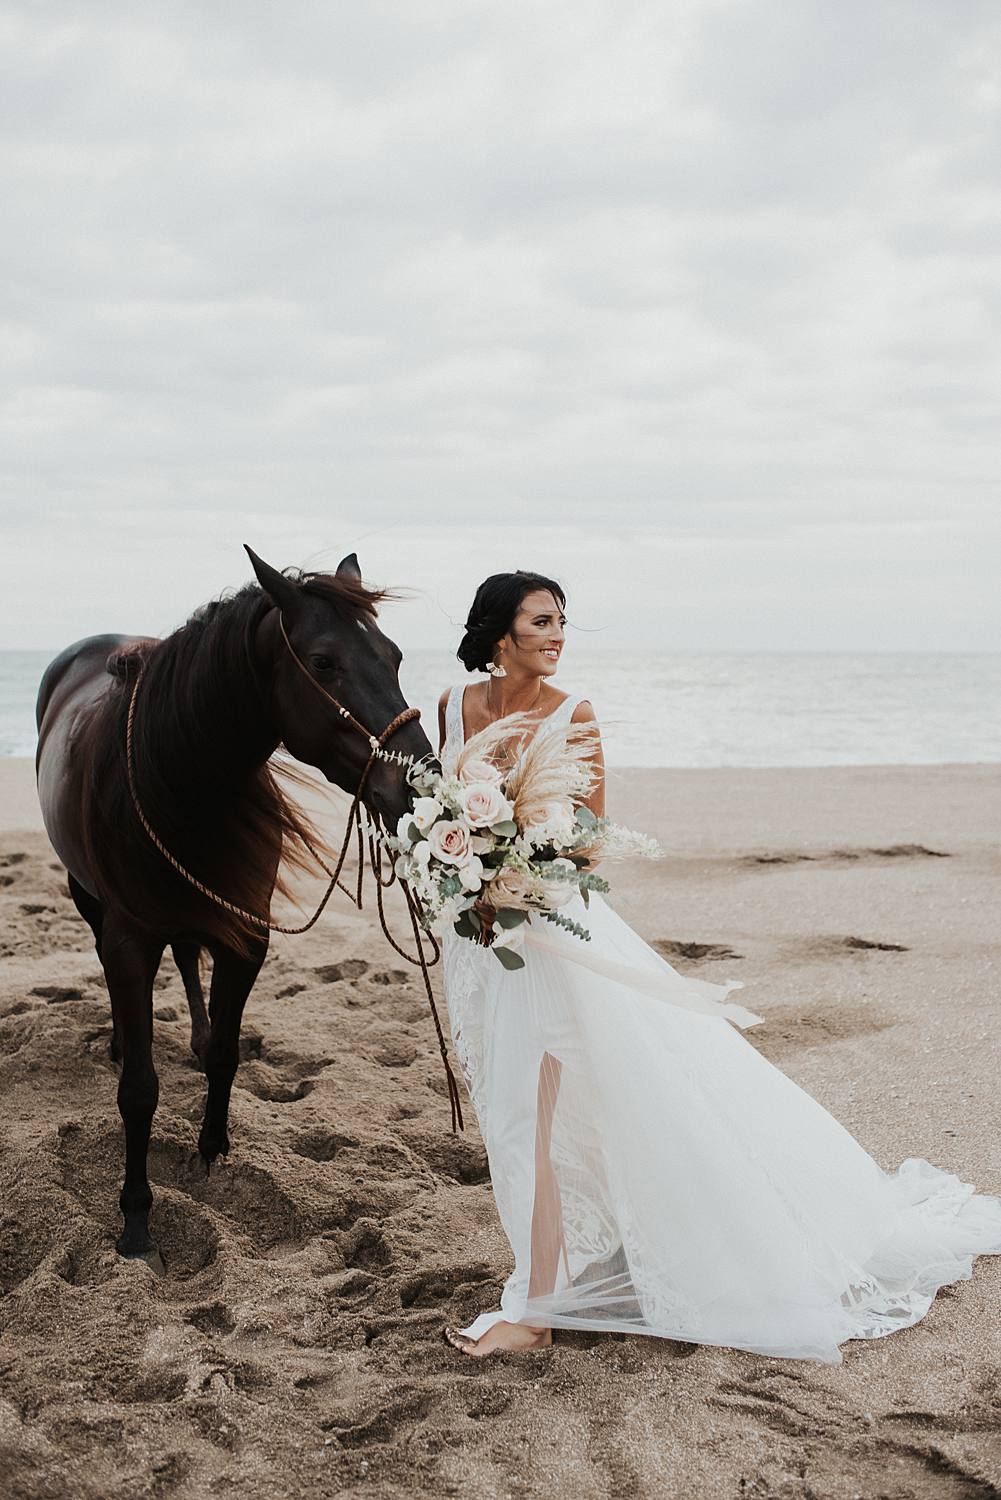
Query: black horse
[[215, 699]]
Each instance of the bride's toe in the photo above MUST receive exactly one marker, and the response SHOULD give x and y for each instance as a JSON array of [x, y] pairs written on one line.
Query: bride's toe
[[458, 1340]]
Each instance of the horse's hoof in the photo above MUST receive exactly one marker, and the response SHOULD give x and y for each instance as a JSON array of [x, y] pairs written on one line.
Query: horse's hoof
[[209, 1150], [150, 1256]]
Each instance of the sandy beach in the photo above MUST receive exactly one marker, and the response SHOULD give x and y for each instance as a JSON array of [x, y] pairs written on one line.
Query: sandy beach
[[293, 1347]]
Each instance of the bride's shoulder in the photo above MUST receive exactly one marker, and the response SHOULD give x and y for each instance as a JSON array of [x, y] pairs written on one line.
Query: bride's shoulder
[[583, 712]]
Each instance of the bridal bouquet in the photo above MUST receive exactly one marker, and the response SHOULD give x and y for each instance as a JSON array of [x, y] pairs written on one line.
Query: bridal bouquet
[[516, 837]]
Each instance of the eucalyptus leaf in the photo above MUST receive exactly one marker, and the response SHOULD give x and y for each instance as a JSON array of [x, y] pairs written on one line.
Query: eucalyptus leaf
[[506, 829], [464, 926], [585, 817], [509, 916], [508, 959]]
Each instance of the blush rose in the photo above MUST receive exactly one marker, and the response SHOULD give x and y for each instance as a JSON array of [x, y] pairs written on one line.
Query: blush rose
[[449, 842]]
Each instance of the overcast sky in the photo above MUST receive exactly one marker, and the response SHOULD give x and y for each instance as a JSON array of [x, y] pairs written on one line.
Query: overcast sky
[[694, 305]]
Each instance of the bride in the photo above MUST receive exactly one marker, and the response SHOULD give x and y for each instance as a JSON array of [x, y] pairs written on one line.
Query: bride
[[652, 1171]]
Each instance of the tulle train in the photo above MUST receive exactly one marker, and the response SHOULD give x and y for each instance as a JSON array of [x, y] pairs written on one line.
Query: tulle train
[[655, 1174]]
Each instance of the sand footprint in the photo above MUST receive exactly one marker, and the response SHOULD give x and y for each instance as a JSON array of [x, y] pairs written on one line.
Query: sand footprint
[[843, 856], [673, 948]]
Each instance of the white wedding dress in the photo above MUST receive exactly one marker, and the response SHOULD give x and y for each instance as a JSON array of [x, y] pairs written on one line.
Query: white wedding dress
[[655, 1174]]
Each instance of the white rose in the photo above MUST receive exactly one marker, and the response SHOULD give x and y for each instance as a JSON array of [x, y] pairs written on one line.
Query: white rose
[[559, 888], [555, 826], [485, 804], [427, 810], [480, 771], [449, 842], [471, 874], [421, 853]]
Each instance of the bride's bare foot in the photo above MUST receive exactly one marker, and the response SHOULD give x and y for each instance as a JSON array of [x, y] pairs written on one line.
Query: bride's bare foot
[[501, 1336]]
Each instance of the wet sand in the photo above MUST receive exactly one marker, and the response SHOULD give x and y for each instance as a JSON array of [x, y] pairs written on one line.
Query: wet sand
[[293, 1347]]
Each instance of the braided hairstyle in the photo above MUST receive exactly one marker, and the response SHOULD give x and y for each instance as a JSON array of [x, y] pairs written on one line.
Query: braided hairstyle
[[493, 610]]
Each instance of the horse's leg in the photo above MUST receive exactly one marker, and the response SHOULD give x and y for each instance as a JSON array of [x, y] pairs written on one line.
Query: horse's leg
[[232, 980], [93, 914], [186, 958], [89, 908], [131, 959]]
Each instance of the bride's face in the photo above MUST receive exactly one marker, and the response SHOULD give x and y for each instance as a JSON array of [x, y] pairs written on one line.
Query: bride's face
[[534, 643]]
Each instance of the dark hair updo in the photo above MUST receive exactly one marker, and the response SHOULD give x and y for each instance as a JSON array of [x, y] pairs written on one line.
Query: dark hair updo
[[497, 601]]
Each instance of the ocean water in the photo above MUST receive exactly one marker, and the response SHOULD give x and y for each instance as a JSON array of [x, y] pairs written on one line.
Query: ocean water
[[755, 709]]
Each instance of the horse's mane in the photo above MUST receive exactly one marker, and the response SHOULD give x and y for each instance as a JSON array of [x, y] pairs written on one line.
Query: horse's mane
[[201, 709]]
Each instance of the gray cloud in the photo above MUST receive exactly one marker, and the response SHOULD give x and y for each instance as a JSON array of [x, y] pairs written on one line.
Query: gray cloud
[[696, 306]]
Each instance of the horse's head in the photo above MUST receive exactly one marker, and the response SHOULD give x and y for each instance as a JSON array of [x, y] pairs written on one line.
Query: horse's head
[[330, 622]]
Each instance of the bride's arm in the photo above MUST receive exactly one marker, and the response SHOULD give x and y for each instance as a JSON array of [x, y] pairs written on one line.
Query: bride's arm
[[595, 799]]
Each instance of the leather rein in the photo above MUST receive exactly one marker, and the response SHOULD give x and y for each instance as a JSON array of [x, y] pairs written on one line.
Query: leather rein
[[376, 752]]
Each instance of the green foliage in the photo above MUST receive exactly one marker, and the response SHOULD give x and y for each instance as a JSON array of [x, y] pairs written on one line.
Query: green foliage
[[464, 926], [506, 829], [509, 916], [559, 920], [508, 959]]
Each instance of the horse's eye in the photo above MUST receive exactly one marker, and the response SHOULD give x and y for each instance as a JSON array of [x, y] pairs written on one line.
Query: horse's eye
[[323, 663]]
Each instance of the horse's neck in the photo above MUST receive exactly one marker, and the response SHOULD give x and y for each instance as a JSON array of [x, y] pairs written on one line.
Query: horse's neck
[[218, 728]]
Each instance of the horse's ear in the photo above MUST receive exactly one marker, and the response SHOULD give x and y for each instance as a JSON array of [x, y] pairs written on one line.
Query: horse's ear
[[279, 589], [350, 566]]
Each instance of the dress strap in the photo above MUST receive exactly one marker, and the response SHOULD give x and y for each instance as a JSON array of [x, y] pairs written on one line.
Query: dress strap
[[453, 721], [564, 712]]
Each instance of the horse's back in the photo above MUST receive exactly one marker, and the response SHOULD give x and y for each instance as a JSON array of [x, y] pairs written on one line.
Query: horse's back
[[71, 689], [83, 662]]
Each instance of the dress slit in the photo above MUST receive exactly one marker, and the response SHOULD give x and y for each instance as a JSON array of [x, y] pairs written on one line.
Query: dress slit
[[548, 1239]]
